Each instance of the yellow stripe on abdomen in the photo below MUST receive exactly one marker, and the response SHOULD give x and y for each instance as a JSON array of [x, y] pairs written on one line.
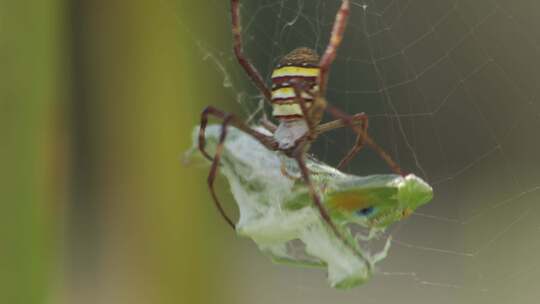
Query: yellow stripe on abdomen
[[295, 71], [287, 110], [288, 93]]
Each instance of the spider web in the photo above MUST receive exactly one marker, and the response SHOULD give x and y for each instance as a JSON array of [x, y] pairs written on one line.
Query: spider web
[[451, 91]]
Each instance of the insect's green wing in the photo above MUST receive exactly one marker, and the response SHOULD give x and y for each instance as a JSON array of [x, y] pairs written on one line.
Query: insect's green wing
[[378, 200], [375, 201]]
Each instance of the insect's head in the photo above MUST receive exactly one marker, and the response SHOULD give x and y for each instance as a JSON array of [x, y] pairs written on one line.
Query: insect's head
[[378, 206]]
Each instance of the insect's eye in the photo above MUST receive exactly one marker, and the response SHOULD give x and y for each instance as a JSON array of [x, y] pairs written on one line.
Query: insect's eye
[[365, 211]]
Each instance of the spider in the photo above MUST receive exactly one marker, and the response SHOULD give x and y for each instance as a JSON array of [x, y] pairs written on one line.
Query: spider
[[297, 97]]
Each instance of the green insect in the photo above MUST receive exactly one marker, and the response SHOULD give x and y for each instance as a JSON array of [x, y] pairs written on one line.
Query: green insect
[[276, 211]]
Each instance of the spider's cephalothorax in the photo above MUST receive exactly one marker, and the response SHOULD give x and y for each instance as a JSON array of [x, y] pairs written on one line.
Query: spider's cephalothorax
[[299, 67]]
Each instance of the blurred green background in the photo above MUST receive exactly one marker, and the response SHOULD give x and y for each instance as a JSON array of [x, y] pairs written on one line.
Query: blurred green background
[[98, 100]]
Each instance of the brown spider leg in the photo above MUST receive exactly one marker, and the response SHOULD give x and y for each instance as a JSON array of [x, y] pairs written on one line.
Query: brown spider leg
[[338, 29], [338, 123], [249, 68], [349, 121], [357, 119], [359, 144], [298, 86], [317, 130], [316, 110], [213, 171], [266, 140], [313, 114], [299, 157], [267, 124]]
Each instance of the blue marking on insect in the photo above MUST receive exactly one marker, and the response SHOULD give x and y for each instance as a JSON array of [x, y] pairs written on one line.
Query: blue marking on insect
[[366, 211]]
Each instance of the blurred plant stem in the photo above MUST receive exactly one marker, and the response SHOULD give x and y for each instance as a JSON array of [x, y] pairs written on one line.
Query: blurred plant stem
[[31, 193], [98, 100], [140, 225]]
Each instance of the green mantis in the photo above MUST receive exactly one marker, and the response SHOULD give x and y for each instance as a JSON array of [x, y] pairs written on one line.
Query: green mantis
[[277, 213]]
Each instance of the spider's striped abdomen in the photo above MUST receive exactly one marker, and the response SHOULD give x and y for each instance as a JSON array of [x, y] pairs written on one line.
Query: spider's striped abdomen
[[301, 66]]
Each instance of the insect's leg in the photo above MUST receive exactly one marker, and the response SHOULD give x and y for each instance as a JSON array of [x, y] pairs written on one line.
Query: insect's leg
[[284, 172], [349, 121], [249, 68], [299, 157], [338, 29], [266, 140]]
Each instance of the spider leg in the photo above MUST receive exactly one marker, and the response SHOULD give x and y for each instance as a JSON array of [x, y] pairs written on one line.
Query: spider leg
[[228, 119], [338, 29], [249, 68], [336, 124], [299, 157], [357, 119], [213, 171], [358, 145], [319, 106], [267, 124], [299, 88], [264, 139], [349, 121], [313, 114]]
